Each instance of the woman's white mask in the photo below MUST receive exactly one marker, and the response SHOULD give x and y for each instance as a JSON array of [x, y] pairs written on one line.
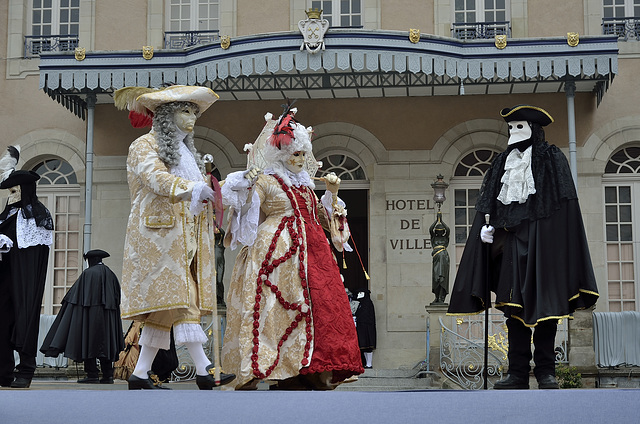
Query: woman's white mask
[[15, 195], [295, 162], [519, 131]]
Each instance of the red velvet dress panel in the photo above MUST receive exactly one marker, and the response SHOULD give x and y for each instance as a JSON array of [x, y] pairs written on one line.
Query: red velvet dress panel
[[335, 338]]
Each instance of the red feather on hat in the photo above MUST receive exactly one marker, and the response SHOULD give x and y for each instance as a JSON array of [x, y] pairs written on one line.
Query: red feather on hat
[[282, 133], [139, 120]]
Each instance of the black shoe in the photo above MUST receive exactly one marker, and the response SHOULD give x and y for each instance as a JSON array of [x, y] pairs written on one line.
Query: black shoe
[[548, 382], [512, 382], [106, 380], [6, 382], [89, 380], [21, 383], [207, 382], [137, 383]]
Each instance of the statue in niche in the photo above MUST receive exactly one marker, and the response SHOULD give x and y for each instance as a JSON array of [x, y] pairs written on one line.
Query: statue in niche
[[440, 258]]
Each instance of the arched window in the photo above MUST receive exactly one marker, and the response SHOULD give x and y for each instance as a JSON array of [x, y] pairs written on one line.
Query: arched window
[[621, 189], [58, 189], [345, 167], [55, 171]]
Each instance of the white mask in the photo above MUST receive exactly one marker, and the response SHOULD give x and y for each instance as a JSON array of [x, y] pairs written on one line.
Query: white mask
[[185, 118], [15, 194], [295, 162], [519, 131]]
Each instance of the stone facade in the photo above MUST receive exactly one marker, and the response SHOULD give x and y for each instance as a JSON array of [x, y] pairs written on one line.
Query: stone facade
[[402, 143]]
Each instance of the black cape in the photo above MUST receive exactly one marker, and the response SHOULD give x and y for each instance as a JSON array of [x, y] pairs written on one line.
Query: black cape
[[88, 324], [366, 322], [23, 274], [544, 270]]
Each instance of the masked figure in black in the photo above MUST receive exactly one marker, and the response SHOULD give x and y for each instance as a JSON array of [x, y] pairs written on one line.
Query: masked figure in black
[[26, 232], [539, 265]]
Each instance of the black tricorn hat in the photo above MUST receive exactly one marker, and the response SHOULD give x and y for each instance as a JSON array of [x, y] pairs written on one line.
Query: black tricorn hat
[[96, 253], [18, 178], [527, 113]]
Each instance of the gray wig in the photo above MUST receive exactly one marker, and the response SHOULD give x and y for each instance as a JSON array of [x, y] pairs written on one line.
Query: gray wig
[[166, 129]]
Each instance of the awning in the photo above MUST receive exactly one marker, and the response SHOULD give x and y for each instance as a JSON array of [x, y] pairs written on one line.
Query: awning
[[355, 63]]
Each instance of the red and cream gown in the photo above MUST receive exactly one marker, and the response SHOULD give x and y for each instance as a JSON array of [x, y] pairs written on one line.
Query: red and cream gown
[[288, 312]]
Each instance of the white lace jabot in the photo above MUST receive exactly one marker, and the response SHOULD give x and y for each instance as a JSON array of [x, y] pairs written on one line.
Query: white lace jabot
[[517, 181]]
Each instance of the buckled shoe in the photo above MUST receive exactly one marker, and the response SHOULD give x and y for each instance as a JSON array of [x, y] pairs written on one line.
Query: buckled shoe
[[153, 382], [207, 382]]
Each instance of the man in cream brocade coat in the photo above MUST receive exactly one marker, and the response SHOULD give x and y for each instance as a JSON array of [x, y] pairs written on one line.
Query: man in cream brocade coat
[[162, 231], [168, 268]]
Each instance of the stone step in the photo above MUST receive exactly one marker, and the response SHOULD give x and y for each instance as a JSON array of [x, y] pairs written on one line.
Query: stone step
[[392, 380]]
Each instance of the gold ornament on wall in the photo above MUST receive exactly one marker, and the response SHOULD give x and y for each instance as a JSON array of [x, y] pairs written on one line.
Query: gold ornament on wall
[[225, 42], [573, 39], [147, 52], [414, 35], [314, 13], [501, 41], [80, 53]]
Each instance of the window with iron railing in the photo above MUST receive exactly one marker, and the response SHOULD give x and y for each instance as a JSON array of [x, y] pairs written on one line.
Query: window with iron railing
[[55, 25], [192, 22], [478, 19], [621, 18]]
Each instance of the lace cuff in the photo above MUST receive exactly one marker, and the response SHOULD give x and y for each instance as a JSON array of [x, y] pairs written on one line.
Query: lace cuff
[[189, 333], [154, 337], [197, 206], [327, 202], [340, 213], [244, 220]]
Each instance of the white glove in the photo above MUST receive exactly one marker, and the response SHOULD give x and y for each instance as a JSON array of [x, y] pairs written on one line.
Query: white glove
[[206, 193], [486, 233], [5, 243], [252, 174]]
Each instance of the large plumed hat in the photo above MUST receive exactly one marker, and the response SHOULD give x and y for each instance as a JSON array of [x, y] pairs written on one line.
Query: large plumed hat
[[141, 102], [527, 113], [19, 178], [202, 96], [288, 136]]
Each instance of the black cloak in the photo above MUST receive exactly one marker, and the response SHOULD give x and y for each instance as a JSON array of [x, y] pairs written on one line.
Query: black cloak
[[23, 274], [544, 270], [88, 324]]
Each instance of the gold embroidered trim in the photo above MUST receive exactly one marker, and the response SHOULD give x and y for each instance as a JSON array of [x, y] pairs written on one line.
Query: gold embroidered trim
[[159, 222]]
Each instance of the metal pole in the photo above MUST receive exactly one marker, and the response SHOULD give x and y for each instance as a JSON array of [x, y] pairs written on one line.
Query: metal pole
[[88, 187], [570, 89], [487, 305]]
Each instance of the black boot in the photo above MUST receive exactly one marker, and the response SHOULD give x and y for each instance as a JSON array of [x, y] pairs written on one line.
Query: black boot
[[21, 383], [512, 382], [207, 382], [548, 382]]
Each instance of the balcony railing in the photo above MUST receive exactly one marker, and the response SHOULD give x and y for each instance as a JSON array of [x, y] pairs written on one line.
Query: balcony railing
[[624, 28], [479, 30], [184, 39], [35, 44]]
